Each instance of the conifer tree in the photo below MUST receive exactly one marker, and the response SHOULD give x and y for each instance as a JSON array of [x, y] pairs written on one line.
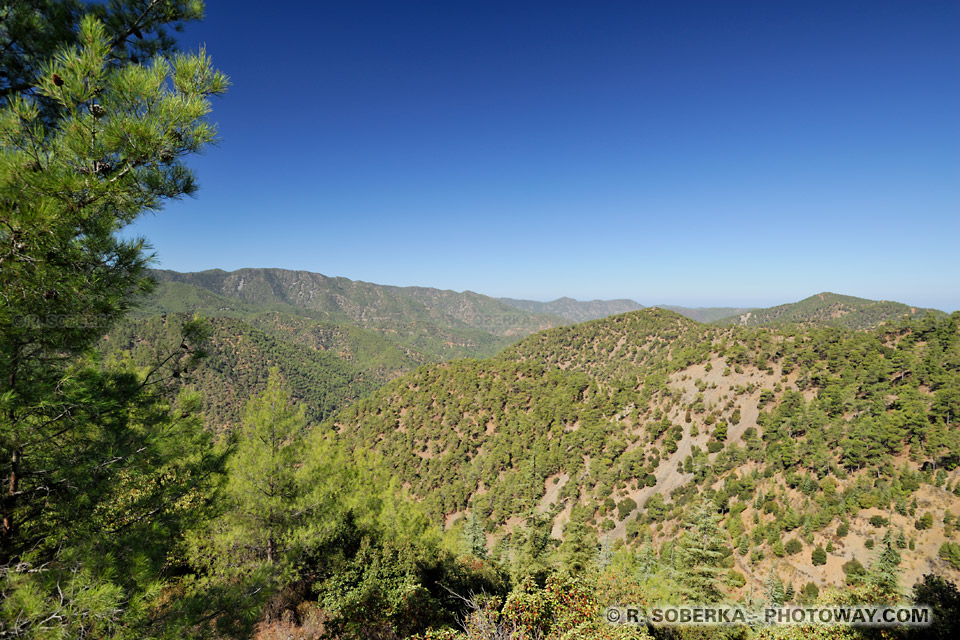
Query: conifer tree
[[474, 538], [263, 486], [700, 551], [531, 557], [775, 593], [818, 557], [789, 593], [578, 549], [883, 572], [97, 116]]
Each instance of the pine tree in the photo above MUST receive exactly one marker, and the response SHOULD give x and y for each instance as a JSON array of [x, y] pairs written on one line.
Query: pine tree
[[101, 463], [531, 559], [775, 593], [474, 538], [818, 557], [901, 540], [264, 492], [578, 549], [604, 553], [883, 573], [700, 552]]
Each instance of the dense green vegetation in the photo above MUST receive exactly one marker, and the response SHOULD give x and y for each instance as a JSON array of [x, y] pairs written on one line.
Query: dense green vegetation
[[422, 338], [104, 465], [237, 357]]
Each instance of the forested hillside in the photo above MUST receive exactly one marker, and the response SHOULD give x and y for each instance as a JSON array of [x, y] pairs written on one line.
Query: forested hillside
[[805, 440], [323, 376]]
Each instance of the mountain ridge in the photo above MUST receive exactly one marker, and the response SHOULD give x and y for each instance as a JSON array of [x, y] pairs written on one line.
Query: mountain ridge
[[832, 309]]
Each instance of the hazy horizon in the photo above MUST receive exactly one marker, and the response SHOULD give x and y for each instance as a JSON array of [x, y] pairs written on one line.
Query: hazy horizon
[[680, 302]]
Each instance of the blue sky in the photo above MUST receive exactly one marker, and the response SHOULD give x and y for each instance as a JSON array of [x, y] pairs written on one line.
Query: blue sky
[[696, 153]]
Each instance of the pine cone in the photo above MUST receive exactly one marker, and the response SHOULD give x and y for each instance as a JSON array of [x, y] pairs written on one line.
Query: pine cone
[[57, 80]]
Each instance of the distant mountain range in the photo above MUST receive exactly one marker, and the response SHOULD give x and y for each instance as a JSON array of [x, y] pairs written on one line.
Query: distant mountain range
[[365, 304], [575, 310]]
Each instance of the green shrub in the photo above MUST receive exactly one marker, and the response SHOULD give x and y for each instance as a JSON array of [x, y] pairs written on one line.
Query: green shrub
[[809, 593], [819, 557], [626, 507], [950, 551]]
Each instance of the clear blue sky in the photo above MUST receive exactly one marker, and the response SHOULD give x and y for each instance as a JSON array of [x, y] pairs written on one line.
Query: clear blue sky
[[697, 153]]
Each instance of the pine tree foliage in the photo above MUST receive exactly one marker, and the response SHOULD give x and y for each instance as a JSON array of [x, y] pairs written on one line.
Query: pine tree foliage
[[105, 464], [700, 551], [474, 537], [884, 573], [265, 493], [775, 593]]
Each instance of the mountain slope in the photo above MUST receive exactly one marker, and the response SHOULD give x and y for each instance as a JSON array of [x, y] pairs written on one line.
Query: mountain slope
[[621, 424], [829, 309], [575, 310], [364, 304], [239, 356]]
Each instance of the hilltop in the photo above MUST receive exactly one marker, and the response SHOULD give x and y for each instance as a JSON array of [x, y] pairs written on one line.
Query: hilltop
[[829, 309]]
